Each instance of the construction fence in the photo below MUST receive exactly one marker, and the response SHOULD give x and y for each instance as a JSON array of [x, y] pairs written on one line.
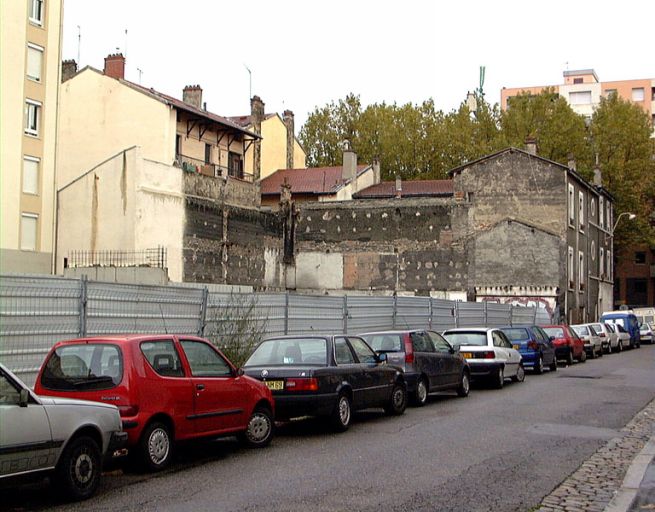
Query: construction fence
[[36, 312]]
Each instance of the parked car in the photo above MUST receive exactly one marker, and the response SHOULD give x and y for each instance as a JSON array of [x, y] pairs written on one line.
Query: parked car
[[427, 360], [621, 334], [535, 346], [65, 439], [489, 353], [646, 333], [592, 343], [568, 345], [167, 388], [329, 376], [628, 321], [608, 339]]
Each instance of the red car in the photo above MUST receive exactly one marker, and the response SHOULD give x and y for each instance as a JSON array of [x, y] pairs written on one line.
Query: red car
[[568, 345], [167, 388]]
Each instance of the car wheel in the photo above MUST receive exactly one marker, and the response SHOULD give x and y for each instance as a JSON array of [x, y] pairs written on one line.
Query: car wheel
[[609, 347], [78, 472], [520, 374], [420, 397], [398, 400], [619, 347], [156, 447], [539, 365], [569, 358], [592, 354], [499, 380], [583, 356], [259, 431], [342, 413], [553, 366], [464, 385], [600, 351]]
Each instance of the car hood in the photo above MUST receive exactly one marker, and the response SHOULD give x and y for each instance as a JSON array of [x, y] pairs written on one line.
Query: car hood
[[55, 400]]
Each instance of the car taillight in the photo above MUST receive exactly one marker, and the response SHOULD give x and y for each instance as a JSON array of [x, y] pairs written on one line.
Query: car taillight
[[533, 345], [409, 350], [128, 410], [305, 384], [602, 335], [489, 354]]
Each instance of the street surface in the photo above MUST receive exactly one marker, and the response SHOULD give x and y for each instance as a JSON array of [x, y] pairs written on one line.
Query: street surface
[[495, 450]]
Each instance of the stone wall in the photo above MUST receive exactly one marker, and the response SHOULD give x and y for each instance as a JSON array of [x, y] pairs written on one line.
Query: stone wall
[[229, 191]]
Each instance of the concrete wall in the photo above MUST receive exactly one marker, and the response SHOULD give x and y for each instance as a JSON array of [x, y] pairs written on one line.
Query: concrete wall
[[228, 190]]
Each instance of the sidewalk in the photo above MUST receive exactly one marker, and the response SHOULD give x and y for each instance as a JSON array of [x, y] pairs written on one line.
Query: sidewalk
[[619, 477]]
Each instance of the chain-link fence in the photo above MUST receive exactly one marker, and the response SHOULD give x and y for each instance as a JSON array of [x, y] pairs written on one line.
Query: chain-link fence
[[35, 312]]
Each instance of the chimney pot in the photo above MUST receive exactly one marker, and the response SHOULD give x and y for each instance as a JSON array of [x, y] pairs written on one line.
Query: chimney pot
[[349, 170], [531, 145], [115, 66], [571, 162], [68, 69], [192, 95], [288, 119]]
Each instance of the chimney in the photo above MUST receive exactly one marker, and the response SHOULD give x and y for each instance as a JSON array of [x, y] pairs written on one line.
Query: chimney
[[571, 162], [349, 170], [288, 119], [598, 177], [192, 95], [68, 70], [257, 116], [115, 66], [376, 171], [399, 186], [531, 145]]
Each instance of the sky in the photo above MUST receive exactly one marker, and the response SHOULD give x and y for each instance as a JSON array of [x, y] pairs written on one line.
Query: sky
[[305, 54]]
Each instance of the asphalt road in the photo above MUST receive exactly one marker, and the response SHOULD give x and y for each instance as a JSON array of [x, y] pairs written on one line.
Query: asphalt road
[[495, 450]]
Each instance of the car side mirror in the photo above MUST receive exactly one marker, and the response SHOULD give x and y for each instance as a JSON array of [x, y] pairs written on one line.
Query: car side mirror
[[382, 358], [452, 350], [24, 397], [239, 372], [552, 338]]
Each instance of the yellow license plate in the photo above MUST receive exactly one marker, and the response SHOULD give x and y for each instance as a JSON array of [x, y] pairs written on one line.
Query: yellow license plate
[[516, 347], [467, 355], [275, 385]]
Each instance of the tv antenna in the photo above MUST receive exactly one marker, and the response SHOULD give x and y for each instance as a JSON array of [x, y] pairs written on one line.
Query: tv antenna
[[140, 71], [249, 82], [79, 44]]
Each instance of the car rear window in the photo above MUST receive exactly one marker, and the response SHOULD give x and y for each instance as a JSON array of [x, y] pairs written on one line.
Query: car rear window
[[290, 351], [517, 334], [581, 330], [457, 339], [83, 367], [385, 342], [557, 332]]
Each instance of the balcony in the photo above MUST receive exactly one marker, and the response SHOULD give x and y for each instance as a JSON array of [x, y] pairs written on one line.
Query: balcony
[[197, 166]]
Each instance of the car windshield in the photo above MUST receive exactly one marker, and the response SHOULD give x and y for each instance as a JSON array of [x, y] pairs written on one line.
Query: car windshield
[[517, 334], [384, 342], [457, 339], [83, 367], [581, 330], [556, 332], [290, 351], [615, 321]]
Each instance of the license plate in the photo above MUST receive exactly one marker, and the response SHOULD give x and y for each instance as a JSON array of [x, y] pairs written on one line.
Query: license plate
[[275, 385], [467, 355], [516, 347]]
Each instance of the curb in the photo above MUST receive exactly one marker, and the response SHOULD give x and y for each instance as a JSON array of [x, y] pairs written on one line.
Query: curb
[[633, 477]]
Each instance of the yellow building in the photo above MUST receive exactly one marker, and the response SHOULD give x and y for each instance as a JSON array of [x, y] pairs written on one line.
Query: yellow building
[[279, 148], [29, 65]]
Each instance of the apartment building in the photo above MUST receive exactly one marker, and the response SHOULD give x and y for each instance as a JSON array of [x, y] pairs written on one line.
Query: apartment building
[[30, 40]]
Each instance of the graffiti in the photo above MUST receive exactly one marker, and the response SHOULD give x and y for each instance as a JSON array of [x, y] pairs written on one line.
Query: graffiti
[[547, 303]]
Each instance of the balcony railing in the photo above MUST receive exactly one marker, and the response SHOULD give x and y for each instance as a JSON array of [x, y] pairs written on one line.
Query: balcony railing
[[195, 165], [154, 257]]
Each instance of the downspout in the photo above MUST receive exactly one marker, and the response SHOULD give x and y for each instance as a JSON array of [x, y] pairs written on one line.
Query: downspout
[[55, 207]]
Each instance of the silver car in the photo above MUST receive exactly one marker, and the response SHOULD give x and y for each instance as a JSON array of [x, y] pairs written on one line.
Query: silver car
[[62, 438], [592, 342], [647, 333], [622, 337], [609, 340]]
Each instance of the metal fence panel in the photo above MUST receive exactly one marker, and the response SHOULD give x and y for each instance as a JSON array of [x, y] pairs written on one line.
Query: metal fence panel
[[498, 315], [470, 314], [523, 315], [543, 317], [412, 312], [366, 314], [319, 314], [443, 315]]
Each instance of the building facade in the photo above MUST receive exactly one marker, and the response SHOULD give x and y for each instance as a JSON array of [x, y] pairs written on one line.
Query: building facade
[[30, 42], [634, 284]]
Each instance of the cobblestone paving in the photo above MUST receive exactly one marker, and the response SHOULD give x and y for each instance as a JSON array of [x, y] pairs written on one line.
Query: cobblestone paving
[[596, 481]]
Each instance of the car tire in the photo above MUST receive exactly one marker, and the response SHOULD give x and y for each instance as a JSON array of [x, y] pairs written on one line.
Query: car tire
[[420, 396], [609, 347], [520, 374], [499, 379], [553, 366], [342, 414], [77, 474], [260, 429], [464, 385], [619, 347], [600, 352], [538, 367], [397, 401], [569, 358], [583, 356], [592, 354], [155, 447]]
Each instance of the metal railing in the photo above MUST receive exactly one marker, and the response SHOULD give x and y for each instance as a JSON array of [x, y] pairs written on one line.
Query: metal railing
[[196, 165], [154, 257]]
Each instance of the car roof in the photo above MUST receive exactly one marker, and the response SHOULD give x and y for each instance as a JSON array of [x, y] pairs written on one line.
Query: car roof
[[404, 331], [472, 329], [126, 338]]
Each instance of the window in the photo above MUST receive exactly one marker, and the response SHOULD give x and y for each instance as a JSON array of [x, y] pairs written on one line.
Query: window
[[581, 210], [601, 212], [385, 342], [235, 165], [9, 394], [608, 263], [342, 352], [34, 61], [638, 94], [593, 250], [28, 229], [601, 262], [178, 145], [421, 342], [208, 153], [608, 215], [571, 206], [439, 342], [32, 117], [30, 175], [580, 98], [581, 276], [592, 207], [83, 367], [640, 258], [571, 269], [163, 358], [204, 360], [36, 11], [363, 351], [577, 80], [610, 92]]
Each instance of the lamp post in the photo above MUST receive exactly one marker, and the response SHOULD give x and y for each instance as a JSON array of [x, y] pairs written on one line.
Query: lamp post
[[631, 216]]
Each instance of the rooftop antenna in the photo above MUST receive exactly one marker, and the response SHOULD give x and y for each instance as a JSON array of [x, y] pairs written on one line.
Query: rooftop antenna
[[249, 82], [140, 71], [125, 44], [79, 44]]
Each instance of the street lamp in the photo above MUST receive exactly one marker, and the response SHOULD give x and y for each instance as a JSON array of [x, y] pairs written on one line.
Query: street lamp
[[631, 216]]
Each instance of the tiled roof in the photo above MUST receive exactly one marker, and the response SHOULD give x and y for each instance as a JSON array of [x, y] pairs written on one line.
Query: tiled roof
[[247, 120], [317, 180], [418, 188]]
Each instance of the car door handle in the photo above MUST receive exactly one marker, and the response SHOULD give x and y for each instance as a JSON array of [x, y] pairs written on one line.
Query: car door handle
[[200, 387]]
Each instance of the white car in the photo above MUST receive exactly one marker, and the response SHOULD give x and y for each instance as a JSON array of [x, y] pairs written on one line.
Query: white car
[[622, 337], [488, 352], [609, 340], [647, 333], [592, 342], [62, 438]]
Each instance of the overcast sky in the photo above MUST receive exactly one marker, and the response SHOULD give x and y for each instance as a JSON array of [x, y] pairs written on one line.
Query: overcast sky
[[304, 54]]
